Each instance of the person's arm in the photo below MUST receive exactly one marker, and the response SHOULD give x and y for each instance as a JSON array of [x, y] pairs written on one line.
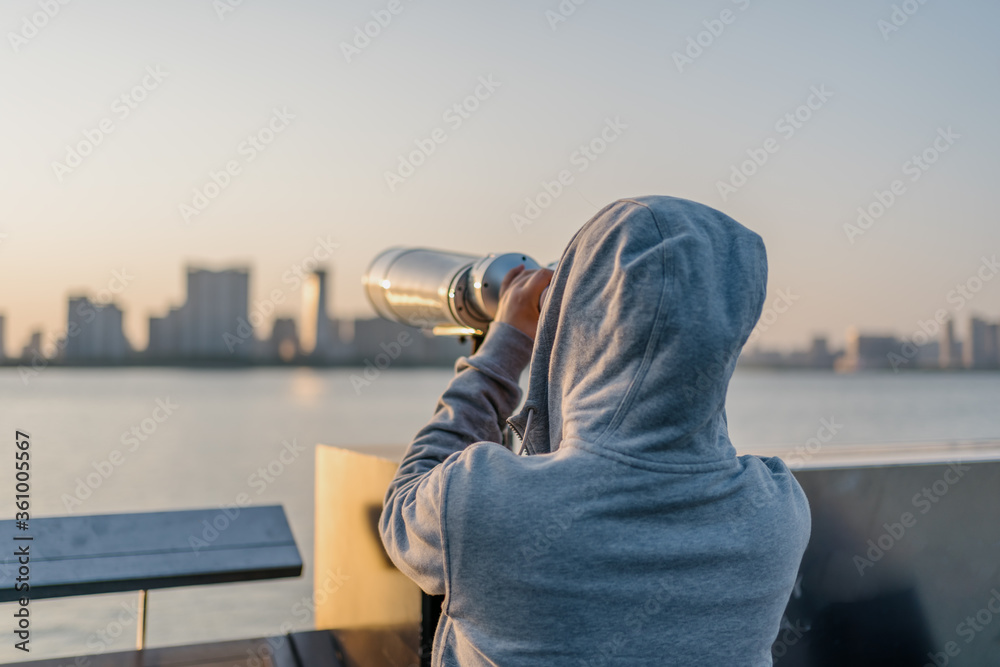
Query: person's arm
[[474, 407]]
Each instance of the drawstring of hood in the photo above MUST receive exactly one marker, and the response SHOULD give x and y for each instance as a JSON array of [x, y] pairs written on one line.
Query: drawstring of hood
[[524, 438]]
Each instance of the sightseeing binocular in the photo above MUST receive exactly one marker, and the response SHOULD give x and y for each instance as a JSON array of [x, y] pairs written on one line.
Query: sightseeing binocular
[[451, 294]]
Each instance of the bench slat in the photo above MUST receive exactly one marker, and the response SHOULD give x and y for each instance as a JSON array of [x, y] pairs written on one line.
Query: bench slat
[[84, 555]]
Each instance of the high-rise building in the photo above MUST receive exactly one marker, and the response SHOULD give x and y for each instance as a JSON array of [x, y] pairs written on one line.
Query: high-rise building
[[316, 332], [33, 350], [341, 340], [993, 344], [928, 355], [950, 349], [94, 332], [213, 323], [867, 352], [217, 305], [161, 340], [819, 355], [982, 349]]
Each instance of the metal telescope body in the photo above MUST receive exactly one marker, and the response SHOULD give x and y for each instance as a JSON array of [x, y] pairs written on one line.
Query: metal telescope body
[[449, 293]]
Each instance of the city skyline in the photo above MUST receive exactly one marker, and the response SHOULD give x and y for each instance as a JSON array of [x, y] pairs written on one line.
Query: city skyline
[[217, 321], [216, 324], [142, 136]]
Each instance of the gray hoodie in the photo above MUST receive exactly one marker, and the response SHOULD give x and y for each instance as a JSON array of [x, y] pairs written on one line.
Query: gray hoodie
[[632, 534]]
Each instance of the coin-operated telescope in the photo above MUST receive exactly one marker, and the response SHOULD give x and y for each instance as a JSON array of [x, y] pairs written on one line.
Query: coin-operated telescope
[[449, 293]]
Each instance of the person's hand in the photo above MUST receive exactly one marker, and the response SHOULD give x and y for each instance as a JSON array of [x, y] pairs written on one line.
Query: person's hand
[[519, 295]]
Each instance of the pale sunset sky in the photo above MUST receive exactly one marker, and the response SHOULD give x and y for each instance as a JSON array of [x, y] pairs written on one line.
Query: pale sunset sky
[[199, 77]]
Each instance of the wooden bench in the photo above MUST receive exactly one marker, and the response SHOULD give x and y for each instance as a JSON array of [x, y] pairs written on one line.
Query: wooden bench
[[112, 553]]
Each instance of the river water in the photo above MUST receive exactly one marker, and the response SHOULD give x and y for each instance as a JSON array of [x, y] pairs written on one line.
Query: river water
[[223, 425]]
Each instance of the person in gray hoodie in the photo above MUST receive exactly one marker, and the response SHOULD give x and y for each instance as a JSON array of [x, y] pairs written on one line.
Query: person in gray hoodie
[[630, 533]]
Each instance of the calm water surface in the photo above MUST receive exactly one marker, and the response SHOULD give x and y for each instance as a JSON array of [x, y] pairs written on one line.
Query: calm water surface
[[227, 424]]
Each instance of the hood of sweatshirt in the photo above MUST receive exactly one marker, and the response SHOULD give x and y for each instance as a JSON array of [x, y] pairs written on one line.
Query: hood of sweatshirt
[[645, 317]]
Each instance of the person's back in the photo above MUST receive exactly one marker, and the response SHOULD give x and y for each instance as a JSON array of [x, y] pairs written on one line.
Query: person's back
[[632, 534]]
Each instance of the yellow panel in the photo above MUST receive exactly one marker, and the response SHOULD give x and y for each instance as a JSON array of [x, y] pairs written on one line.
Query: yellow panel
[[354, 581]]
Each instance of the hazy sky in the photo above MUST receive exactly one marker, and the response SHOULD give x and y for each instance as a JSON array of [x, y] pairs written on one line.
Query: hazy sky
[[681, 127]]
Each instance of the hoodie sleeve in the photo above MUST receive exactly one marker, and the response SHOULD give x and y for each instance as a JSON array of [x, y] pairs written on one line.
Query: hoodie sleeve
[[483, 393]]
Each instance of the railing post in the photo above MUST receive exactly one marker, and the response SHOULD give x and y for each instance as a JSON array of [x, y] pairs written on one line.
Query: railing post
[[140, 624]]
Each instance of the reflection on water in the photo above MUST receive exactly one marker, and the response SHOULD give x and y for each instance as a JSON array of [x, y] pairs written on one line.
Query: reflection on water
[[307, 385]]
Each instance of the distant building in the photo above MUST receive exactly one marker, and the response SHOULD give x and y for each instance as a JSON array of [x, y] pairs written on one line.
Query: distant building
[[819, 355], [373, 336], [443, 350], [217, 304], [928, 355], [33, 350], [982, 349], [381, 341], [867, 352], [759, 357], [213, 323], [341, 340], [94, 332], [284, 343], [950, 349], [3, 347], [163, 337], [316, 333]]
